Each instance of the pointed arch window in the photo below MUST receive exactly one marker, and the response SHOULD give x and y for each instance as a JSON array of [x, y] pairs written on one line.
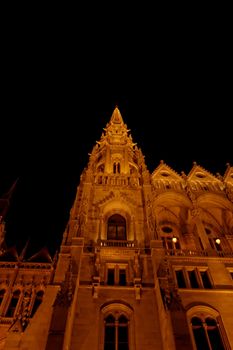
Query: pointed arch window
[[13, 304], [116, 333], [37, 302], [206, 334], [116, 229], [207, 329]]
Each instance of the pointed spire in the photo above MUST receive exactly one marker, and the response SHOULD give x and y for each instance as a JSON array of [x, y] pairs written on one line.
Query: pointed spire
[[9, 193], [116, 131], [116, 117], [23, 252], [5, 201], [41, 256]]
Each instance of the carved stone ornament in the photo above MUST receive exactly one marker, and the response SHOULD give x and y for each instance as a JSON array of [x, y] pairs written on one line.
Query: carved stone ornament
[[168, 288], [65, 294]]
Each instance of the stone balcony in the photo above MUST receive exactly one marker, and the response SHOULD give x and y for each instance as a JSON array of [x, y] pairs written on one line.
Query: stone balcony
[[117, 243]]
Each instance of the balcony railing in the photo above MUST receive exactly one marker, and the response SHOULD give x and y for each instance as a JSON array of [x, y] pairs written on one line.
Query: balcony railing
[[117, 243], [116, 180], [189, 252]]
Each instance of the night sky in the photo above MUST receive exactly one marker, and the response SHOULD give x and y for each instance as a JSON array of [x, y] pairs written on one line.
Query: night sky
[[59, 89]]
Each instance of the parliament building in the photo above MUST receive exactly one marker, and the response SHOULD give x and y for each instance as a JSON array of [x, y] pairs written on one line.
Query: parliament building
[[145, 262]]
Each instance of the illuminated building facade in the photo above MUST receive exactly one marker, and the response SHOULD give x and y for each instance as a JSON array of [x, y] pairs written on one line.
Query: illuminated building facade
[[145, 263]]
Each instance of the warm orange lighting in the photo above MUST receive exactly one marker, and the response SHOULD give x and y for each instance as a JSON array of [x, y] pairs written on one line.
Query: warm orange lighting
[[174, 239], [218, 241]]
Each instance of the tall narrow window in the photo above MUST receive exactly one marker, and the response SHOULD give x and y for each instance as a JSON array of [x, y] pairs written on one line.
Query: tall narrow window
[[13, 304], [123, 333], [111, 277], [110, 333], [122, 277], [116, 333], [199, 334], [37, 302], [193, 279], [206, 280], [180, 279], [213, 334], [116, 227]]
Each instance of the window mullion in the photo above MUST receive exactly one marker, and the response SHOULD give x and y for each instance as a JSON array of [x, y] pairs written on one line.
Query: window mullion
[[199, 279], [116, 335], [186, 278], [116, 279], [206, 334]]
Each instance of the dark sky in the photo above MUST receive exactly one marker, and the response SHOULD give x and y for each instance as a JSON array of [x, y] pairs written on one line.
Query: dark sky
[[59, 87]]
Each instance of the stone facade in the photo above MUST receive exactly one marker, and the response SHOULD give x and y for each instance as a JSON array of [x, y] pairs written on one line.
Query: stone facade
[[145, 263]]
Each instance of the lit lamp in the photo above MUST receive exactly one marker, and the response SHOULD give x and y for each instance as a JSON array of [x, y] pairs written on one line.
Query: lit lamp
[[174, 239], [218, 241]]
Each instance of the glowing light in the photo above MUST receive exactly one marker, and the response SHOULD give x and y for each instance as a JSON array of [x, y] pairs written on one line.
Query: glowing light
[[218, 241], [174, 239]]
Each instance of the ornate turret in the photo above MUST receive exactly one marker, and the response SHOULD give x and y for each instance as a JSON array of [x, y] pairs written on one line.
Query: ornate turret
[[115, 164], [115, 153]]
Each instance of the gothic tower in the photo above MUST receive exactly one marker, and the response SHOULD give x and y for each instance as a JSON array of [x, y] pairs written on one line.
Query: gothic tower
[[107, 245], [145, 263]]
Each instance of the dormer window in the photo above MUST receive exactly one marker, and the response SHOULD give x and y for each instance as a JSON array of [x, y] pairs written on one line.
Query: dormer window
[[116, 229]]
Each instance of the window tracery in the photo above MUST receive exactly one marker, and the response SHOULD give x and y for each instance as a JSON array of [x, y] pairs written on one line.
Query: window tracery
[[207, 330]]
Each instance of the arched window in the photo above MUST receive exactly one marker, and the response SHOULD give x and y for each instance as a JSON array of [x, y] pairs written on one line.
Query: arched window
[[13, 304], [117, 327], [116, 227], [207, 329], [206, 334], [116, 333], [37, 302]]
